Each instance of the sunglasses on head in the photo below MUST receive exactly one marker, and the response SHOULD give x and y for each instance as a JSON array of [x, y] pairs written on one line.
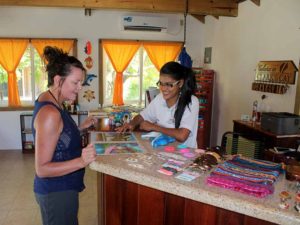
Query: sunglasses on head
[[167, 84]]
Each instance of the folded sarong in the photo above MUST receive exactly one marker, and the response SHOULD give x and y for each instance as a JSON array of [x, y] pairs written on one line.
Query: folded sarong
[[249, 176]]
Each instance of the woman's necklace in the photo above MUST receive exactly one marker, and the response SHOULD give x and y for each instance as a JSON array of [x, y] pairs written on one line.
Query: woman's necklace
[[55, 99]]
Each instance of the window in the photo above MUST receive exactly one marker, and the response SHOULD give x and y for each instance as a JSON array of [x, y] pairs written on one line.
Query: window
[[31, 78], [139, 75], [128, 85]]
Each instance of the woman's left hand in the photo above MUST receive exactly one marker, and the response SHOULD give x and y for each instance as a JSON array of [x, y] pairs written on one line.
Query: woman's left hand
[[88, 122], [88, 154]]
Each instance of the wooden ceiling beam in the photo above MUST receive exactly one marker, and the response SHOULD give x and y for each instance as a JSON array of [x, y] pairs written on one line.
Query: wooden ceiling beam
[[214, 7], [197, 7], [201, 18], [176, 6], [256, 2]]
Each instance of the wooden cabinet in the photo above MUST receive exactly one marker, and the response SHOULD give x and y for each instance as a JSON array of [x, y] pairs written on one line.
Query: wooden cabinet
[[205, 83], [270, 139], [121, 202], [26, 133]]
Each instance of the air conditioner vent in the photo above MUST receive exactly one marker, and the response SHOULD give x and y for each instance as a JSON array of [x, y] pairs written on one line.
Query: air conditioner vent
[[143, 28], [140, 23]]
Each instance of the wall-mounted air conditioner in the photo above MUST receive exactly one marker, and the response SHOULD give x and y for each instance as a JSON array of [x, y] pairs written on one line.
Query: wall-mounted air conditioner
[[145, 23]]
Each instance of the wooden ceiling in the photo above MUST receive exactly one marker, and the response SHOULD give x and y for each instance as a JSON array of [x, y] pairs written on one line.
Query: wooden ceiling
[[197, 8]]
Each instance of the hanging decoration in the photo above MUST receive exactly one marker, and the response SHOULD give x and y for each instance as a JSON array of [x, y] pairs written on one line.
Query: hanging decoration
[[88, 48], [184, 58], [89, 95], [88, 62], [88, 79]]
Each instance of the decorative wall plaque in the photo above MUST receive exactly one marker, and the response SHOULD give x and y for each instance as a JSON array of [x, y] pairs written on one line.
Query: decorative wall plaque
[[88, 62], [274, 76], [88, 48], [283, 72]]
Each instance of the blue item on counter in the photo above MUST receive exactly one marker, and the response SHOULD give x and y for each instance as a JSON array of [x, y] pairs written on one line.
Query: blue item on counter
[[162, 140], [150, 135]]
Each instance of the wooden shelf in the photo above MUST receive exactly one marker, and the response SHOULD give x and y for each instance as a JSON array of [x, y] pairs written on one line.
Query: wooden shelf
[[205, 81], [26, 133]]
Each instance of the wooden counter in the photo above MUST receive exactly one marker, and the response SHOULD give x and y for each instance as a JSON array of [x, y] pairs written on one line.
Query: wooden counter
[[139, 195]]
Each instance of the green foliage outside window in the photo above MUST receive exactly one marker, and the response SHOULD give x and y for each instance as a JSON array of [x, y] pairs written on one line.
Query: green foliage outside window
[[131, 78], [3, 75], [3, 84]]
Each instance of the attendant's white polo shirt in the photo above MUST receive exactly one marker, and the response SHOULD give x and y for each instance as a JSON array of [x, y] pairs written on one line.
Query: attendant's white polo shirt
[[158, 112]]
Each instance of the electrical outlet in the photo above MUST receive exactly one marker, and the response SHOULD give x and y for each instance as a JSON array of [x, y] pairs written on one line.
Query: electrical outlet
[[245, 117], [181, 22]]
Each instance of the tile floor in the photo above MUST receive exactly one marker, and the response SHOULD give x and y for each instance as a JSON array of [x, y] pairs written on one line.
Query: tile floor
[[17, 202]]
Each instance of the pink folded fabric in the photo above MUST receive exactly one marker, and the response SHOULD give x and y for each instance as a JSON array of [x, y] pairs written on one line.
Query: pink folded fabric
[[248, 176], [234, 184]]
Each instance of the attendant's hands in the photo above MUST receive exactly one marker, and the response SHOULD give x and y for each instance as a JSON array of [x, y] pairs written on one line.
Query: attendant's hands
[[88, 154], [147, 126], [125, 127], [88, 122]]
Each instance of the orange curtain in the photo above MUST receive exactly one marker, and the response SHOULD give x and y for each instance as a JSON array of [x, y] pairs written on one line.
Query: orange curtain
[[120, 54], [40, 44], [162, 52], [11, 52]]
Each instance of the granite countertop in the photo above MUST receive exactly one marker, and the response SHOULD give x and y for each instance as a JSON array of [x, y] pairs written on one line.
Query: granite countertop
[[142, 169]]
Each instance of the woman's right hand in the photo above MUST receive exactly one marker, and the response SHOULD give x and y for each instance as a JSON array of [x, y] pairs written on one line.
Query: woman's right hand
[[125, 127], [88, 154]]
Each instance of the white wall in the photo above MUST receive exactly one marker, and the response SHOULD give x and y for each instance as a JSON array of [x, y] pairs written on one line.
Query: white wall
[[10, 130], [72, 23], [268, 32]]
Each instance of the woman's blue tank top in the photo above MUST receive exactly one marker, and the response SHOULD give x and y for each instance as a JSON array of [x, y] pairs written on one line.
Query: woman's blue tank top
[[68, 147]]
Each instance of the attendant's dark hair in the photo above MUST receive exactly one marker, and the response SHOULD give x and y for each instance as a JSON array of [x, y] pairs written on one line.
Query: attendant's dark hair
[[179, 72], [59, 63]]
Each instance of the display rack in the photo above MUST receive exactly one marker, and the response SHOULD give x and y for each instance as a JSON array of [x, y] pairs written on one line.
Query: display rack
[[26, 133], [205, 83]]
